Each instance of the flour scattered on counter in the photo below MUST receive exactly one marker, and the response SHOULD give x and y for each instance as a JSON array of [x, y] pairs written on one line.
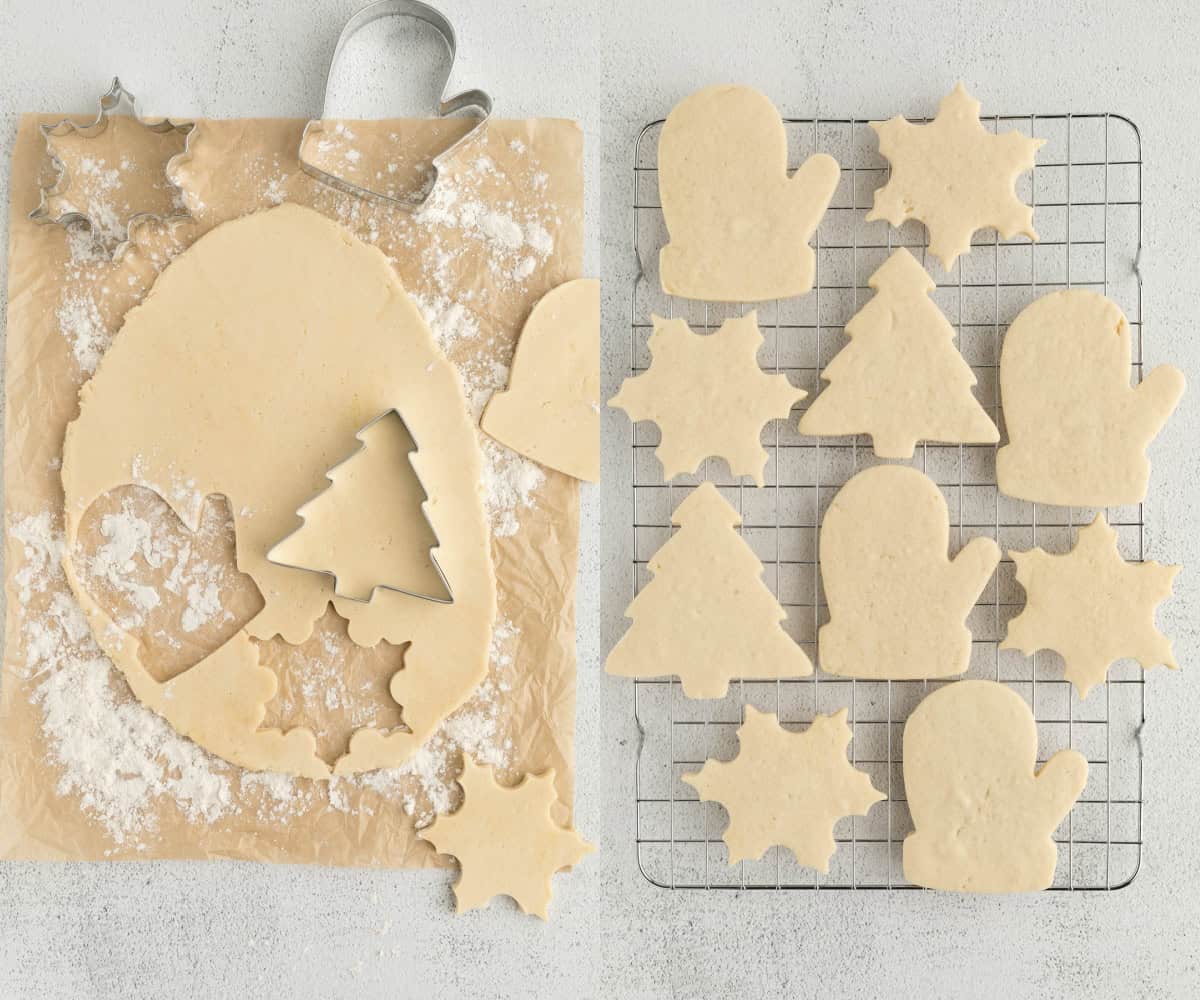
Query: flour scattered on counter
[[43, 551], [510, 483], [81, 324]]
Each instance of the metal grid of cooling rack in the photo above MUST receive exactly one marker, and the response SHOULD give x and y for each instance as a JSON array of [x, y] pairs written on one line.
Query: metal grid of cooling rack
[[1086, 191]]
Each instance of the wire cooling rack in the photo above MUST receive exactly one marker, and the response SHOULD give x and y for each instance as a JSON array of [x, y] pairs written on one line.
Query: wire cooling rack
[[1087, 195]]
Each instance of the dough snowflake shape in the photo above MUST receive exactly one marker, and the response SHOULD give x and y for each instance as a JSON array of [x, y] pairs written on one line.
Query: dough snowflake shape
[[955, 176], [787, 788], [1091, 606], [505, 840], [708, 396]]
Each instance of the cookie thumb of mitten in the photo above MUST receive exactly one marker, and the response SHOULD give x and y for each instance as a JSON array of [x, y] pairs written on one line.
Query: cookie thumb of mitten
[[971, 569], [811, 189], [1155, 398], [1058, 784]]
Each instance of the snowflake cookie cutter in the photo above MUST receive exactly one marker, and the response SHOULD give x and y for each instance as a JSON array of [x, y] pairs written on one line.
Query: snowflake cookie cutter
[[447, 105], [447, 597], [116, 101]]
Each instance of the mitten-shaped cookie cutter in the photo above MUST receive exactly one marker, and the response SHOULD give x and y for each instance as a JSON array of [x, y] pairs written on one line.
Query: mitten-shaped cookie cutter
[[116, 101], [447, 105]]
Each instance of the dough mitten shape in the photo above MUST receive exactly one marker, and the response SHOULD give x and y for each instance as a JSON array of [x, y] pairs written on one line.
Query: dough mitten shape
[[506, 840], [550, 411], [955, 176], [900, 379], [1091, 606], [1077, 431], [897, 602], [739, 225], [786, 788], [707, 615], [983, 815], [708, 396]]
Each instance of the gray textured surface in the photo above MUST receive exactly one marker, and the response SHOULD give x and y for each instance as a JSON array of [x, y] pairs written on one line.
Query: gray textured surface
[[168, 930]]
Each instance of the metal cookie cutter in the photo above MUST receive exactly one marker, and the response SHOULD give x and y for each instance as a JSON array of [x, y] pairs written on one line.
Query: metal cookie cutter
[[447, 106], [117, 100], [445, 598]]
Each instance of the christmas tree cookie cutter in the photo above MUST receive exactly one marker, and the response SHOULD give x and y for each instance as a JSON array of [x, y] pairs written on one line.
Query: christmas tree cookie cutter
[[446, 596], [54, 208], [447, 105]]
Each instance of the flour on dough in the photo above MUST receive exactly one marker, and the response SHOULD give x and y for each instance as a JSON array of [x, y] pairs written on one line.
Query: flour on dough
[[786, 788], [900, 379], [897, 602], [739, 226], [707, 615], [708, 396], [983, 815], [955, 176], [1077, 431], [505, 840], [257, 355], [550, 411], [1091, 606]]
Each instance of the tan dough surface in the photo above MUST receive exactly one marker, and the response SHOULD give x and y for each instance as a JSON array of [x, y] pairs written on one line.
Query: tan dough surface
[[708, 396], [550, 411], [900, 379], [1077, 430], [246, 372], [955, 176], [786, 788], [739, 225], [707, 615], [368, 527], [506, 840], [1091, 606], [897, 602], [983, 815]]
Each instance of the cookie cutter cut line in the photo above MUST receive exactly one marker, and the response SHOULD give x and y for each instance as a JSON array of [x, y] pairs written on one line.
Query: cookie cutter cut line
[[447, 106], [112, 102], [362, 446]]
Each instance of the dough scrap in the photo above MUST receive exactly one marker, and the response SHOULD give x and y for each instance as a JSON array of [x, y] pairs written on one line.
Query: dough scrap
[[707, 615], [708, 396], [1091, 606], [897, 603], [787, 788], [257, 355], [983, 815], [900, 379], [505, 840], [739, 225], [550, 411], [955, 176], [1077, 431]]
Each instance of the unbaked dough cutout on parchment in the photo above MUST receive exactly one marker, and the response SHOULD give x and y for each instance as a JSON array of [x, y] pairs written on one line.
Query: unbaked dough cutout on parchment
[[739, 225]]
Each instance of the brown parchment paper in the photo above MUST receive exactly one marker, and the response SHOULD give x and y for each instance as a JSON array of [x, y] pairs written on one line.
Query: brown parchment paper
[[530, 170]]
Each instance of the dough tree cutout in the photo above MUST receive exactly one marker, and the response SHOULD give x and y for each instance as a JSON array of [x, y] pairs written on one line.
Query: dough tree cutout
[[786, 788], [1091, 606], [506, 840], [550, 411], [955, 176], [706, 615], [900, 379], [739, 225], [983, 815], [1077, 431], [368, 528], [708, 396], [897, 602]]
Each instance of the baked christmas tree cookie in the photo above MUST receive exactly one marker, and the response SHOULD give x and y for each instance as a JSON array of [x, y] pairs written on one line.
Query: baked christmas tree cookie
[[739, 224], [707, 615], [900, 379], [983, 814], [505, 840], [708, 396], [897, 602], [955, 176], [1077, 430], [786, 788], [1091, 606]]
